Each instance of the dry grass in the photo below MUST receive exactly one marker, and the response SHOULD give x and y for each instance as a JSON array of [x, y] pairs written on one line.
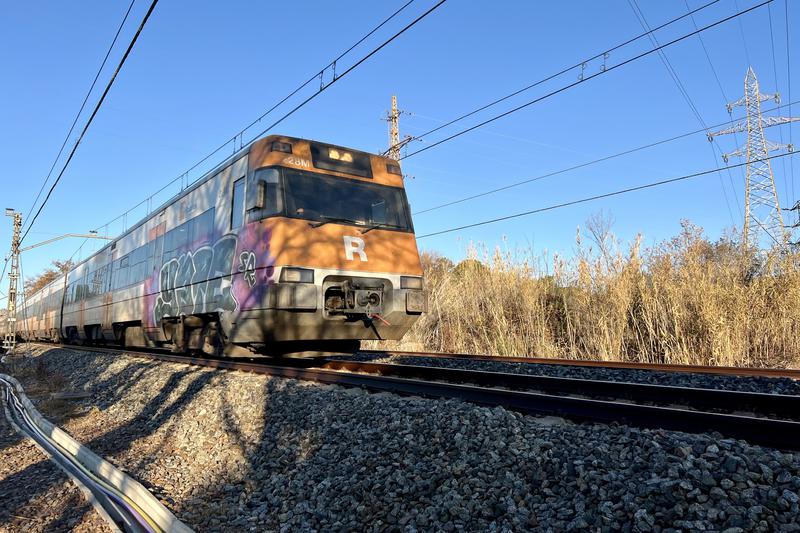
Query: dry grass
[[685, 301], [40, 382]]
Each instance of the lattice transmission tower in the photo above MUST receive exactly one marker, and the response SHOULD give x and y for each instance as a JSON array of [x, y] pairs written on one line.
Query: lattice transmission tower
[[762, 211]]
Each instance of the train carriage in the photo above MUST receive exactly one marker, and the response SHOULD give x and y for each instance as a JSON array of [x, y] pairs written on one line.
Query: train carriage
[[289, 245]]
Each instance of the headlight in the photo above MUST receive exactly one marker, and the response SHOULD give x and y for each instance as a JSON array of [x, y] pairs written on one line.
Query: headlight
[[345, 157], [407, 282], [297, 275]]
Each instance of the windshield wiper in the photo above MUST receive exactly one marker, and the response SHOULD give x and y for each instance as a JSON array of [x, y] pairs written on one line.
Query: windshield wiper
[[328, 219], [381, 225]]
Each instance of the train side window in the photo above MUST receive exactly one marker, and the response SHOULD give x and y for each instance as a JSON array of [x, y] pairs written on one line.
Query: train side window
[[121, 273], [169, 248], [156, 254], [237, 204], [138, 264], [133, 268], [180, 239], [89, 285], [264, 195], [203, 228], [175, 241], [149, 259]]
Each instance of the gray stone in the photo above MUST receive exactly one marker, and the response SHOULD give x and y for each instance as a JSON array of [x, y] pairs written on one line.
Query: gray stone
[[260, 453]]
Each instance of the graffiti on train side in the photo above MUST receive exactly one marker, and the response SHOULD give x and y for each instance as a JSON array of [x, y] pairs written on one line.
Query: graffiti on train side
[[232, 274], [247, 266], [197, 281]]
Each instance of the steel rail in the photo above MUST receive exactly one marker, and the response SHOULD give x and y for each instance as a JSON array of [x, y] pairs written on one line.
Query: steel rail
[[787, 406], [790, 373], [782, 434]]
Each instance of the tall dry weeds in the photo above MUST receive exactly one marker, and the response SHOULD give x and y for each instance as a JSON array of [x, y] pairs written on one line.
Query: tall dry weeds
[[686, 300]]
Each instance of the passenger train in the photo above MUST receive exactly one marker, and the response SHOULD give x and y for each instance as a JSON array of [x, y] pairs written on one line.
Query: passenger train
[[289, 246]]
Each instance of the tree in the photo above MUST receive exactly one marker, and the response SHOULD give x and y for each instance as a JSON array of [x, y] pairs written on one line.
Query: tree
[[39, 281]]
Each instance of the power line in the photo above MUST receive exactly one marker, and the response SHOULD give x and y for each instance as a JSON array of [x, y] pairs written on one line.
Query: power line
[[329, 65], [789, 91], [91, 117], [715, 144], [317, 75], [359, 62], [582, 80], [579, 64], [83, 104], [583, 165], [665, 61], [595, 197], [777, 89], [688, 99], [744, 39], [708, 56]]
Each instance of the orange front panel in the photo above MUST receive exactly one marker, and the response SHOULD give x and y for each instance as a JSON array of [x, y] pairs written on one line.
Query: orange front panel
[[300, 158], [295, 242]]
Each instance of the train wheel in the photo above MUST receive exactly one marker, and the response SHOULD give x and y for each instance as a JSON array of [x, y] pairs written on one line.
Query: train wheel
[[213, 343]]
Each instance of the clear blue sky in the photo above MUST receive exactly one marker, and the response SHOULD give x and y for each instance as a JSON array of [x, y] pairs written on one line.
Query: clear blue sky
[[203, 70]]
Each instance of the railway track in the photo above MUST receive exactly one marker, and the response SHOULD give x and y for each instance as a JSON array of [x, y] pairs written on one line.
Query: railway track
[[657, 367], [734, 414], [697, 398]]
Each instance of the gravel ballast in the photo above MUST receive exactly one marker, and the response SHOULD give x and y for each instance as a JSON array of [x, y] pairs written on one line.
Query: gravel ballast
[[35, 495], [229, 451], [768, 385]]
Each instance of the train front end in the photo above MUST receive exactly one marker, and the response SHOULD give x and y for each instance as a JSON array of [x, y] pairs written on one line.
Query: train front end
[[333, 227]]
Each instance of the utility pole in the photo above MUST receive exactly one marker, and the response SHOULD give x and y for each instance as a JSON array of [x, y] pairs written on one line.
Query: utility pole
[[762, 211], [10, 338], [395, 144]]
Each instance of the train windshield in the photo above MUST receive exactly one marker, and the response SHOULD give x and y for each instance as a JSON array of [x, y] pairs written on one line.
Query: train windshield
[[329, 199]]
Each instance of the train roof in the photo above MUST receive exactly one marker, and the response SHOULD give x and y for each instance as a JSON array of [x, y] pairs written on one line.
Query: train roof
[[195, 185]]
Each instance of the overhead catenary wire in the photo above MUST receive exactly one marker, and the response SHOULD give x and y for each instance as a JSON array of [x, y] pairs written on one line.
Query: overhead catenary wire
[[351, 68], [564, 70], [581, 165], [317, 74], [585, 79], [329, 65], [91, 117], [596, 197], [80, 111]]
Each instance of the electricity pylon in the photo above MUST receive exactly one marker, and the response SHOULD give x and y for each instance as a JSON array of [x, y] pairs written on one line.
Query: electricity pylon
[[395, 144], [762, 211]]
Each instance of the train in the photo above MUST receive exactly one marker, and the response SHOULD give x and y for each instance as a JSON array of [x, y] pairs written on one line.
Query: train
[[289, 246]]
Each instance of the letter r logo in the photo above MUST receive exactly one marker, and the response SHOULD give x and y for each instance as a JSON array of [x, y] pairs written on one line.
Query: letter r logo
[[354, 245]]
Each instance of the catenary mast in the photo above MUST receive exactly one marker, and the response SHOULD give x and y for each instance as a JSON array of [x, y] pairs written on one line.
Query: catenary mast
[[10, 338]]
